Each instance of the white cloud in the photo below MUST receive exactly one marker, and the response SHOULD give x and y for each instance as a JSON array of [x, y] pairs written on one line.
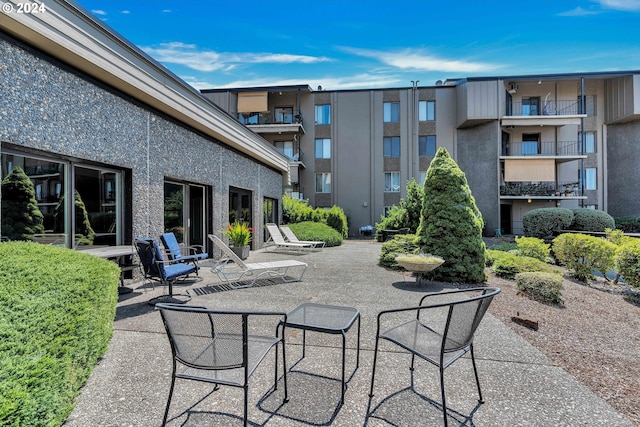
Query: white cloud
[[627, 5], [99, 12], [166, 11], [420, 60], [207, 60], [578, 11], [125, 12]]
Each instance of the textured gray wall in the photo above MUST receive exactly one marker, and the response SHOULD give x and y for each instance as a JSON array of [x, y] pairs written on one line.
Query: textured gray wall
[[478, 159], [623, 169], [46, 108]]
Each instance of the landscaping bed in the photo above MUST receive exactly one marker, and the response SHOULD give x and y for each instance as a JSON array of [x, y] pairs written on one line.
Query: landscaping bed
[[595, 336]]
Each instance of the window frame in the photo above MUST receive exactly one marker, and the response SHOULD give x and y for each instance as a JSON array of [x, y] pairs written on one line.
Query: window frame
[[326, 146], [323, 114], [428, 112], [391, 112], [423, 145], [391, 147], [391, 188], [325, 182]]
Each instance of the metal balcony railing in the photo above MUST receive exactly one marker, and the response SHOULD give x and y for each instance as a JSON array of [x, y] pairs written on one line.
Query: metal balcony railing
[[544, 148], [269, 119], [566, 189], [543, 108]]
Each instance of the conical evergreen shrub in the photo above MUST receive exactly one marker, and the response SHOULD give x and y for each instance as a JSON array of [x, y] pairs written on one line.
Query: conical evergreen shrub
[[21, 217], [451, 224]]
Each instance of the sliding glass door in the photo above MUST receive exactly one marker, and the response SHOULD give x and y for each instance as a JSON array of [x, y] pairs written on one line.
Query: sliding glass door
[[185, 212]]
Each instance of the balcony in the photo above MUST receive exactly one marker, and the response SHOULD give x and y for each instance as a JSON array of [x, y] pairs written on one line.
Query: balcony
[[541, 190], [295, 163], [564, 149], [534, 112], [270, 123]]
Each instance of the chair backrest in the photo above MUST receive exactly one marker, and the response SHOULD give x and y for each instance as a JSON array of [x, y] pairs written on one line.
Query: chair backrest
[[227, 251], [275, 234], [464, 317], [149, 252], [172, 246], [205, 339], [289, 234]]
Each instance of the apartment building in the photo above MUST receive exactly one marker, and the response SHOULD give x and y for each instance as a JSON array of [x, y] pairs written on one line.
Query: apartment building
[[524, 142]]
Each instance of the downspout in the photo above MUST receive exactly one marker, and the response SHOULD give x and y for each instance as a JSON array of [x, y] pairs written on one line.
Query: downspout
[[582, 111]]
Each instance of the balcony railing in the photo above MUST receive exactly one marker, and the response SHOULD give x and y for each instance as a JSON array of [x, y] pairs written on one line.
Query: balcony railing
[[543, 108], [557, 189], [544, 148], [268, 119], [293, 157]]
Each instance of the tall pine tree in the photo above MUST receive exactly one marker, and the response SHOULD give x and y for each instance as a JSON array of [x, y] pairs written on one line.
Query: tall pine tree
[[451, 224]]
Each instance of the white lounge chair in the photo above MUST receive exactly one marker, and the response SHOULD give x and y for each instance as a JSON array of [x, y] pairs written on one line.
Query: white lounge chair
[[291, 237], [232, 269], [283, 245]]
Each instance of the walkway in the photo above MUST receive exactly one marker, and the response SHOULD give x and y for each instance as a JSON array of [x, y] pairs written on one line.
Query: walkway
[[129, 386]]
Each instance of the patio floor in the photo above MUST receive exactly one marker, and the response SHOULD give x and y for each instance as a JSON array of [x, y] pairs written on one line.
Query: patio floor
[[521, 387]]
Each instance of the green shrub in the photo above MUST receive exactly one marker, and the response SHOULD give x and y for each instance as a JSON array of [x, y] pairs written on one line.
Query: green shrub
[[407, 215], [591, 220], [337, 220], [583, 254], [451, 224], [628, 224], [545, 222], [315, 231], [628, 262], [400, 244], [294, 211], [58, 307], [533, 247], [507, 264], [617, 237], [504, 246], [21, 217], [543, 287], [395, 219]]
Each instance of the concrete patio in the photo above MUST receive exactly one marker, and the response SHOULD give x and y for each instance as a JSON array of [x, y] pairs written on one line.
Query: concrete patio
[[521, 387]]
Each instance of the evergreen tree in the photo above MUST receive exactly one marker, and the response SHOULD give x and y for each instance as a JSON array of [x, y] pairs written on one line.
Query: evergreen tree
[[21, 217], [451, 224], [84, 231]]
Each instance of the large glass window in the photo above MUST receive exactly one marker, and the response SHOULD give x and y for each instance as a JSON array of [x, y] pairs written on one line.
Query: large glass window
[[285, 147], [426, 111], [427, 145], [323, 148], [283, 115], [391, 111], [184, 212], [530, 105], [590, 176], [323, 114], [391, 146], [530, 143], [589, 141], [392, 182], [41, 188], [323, 182]]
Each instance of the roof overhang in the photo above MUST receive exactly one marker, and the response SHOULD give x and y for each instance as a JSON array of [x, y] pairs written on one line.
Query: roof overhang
[[73, 36]]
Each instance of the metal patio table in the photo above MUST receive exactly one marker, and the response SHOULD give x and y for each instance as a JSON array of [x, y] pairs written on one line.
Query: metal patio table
[[328, 319]]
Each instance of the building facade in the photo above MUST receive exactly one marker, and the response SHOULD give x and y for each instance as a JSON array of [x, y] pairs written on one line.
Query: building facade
[[88, 117], [524, 142]]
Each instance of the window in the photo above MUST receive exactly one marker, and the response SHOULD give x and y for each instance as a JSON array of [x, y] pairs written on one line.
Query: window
[[283, 115], [323, 182], [285, 147], [530, 143], [392, 182], [323, 114], [589, 141], [589, 105], [589, 182], [427, 145], [391, 112], [422, 177], [530, 105], [323, 148], [426, 111], [391, 146]]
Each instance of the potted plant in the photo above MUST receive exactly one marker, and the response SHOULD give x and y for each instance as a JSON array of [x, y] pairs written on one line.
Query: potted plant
[[239, 235]]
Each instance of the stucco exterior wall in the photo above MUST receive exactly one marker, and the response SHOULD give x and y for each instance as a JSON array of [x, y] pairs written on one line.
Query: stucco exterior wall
[[49, 108], [623, 152]]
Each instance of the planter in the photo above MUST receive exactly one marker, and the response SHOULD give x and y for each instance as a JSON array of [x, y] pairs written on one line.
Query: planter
[[419, 263], [241, 251]]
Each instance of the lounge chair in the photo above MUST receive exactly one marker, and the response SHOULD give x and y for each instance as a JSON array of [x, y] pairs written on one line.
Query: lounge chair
[[279, 244], [231, 268], [174, 250], [291, 237]]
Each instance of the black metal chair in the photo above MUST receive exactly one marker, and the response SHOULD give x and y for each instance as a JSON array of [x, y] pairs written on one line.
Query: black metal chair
[[216, 346], [156, 268], [439, 342]]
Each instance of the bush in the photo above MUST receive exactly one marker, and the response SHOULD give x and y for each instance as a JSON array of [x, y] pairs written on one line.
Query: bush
[[533, 247], [337, 220], [507, 265], [294, 211], [628, 224], [58, 307], [315, 231], [583, 254], [591, 220], [628, 262], [451, 224], [400, 244], [543, 287], [545, 222], [407, 215]]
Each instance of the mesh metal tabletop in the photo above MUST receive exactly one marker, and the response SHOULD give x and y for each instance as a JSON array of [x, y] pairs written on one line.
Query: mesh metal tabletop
[[322, 318]]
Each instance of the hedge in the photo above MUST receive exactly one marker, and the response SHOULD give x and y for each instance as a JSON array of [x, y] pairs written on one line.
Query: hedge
[[58, 307], [545, 222], [591, 220]]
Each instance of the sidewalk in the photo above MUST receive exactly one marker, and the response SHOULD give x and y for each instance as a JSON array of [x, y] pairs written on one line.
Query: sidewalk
[[521, 387]]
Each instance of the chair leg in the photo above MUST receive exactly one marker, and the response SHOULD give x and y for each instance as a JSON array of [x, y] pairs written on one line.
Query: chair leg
[[475, 371], [444, 401], [166, 410], [246, 403], [373, 371]]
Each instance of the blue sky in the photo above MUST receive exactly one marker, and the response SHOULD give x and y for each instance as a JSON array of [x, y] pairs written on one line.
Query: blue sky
[[349, 44]]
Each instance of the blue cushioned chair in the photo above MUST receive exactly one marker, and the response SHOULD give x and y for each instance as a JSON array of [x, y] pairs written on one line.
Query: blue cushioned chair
[[156, 268], [174, 250]]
